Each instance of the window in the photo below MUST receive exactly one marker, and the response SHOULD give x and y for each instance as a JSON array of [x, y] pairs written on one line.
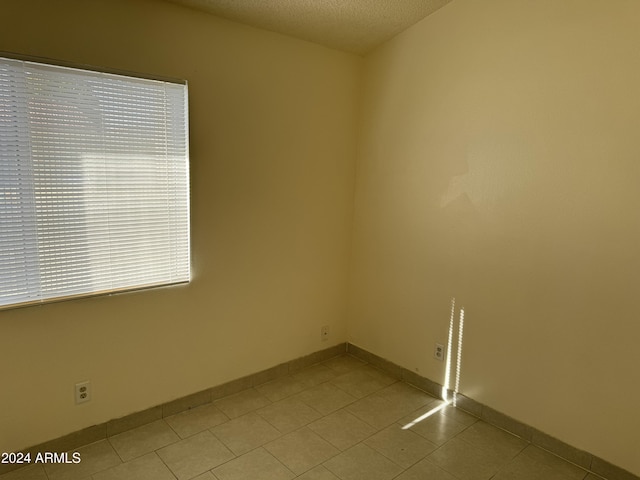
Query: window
[[94, 183]]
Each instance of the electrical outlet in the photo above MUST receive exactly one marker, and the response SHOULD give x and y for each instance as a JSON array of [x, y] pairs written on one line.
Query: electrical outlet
[[324, 332], [438, 352], [83, 392]]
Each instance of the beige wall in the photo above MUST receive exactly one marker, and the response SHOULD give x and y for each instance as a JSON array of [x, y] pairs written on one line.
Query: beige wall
[[272, 159], [499, 163]]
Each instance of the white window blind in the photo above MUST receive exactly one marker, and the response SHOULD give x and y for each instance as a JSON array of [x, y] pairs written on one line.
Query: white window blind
[[94, 183]]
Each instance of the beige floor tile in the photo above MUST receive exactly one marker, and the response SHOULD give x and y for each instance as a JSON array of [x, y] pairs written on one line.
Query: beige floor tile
[[410, 398], [195, 455], [379, 375], [93, 458], [142, 440], [205, 476], [377, 411], [147, 467], [301, 450], [257, 464], [425, 470], [458, 415], [343, 364], [280, 388], [437, 428], [245, 433], [430, 409], [401, 446], [30, 472], [315, 375], [288, 414], [468, 462], [362, 463], [339, 420], [484, 435], [326, 398], [244, 402], [362, 382], [526, 468], [196, 420], [566, 468], [342, 429], [318, 473]]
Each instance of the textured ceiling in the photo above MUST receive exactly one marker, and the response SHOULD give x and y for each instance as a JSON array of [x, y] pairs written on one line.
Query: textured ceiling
[[354, 26]]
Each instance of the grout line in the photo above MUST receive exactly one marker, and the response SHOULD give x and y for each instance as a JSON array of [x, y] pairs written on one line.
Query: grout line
[[363, 354], [478, 413]]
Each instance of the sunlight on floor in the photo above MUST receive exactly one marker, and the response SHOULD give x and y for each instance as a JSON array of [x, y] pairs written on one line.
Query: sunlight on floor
[[446, 389]]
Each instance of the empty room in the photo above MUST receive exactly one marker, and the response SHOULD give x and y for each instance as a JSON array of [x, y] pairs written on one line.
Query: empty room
[[360, 240]]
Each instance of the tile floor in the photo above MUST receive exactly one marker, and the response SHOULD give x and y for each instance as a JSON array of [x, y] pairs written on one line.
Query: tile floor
[[338, 420]]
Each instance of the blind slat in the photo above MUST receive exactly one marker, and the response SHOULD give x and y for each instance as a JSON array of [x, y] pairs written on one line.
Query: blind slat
[[94, 187]]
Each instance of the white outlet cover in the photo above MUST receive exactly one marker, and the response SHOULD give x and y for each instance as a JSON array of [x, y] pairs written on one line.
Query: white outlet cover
[[324, 332], [83, 392]]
